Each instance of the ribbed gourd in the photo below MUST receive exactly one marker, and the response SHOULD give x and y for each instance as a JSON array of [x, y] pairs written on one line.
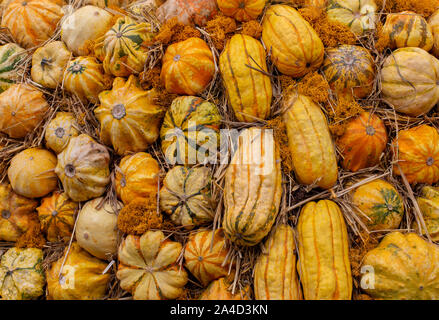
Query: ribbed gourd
[[245, 76], [253, 188], [324, 266], [242, 10], [428, 202], [60, 130]]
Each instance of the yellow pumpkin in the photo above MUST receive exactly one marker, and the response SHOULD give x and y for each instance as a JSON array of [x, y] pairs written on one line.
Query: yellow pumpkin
[[21, 274], [22, 109], [141, 6], [186, 196], [402, 267], [205, 256], [86, 78], [31, 173], [78, 277], [83, 168], [418, 154], [275, 276], [358, 15], [16, 213], [82, 27], [409, 78], [187, 67], [11, 56], [49, 63], [220, 290], [433, 22], [407, 29], [123, 50], [129, 116], [428, 203], [57, 215], [60, 130], [242, 10], [310, 142], [295, 47], [148, 267], [244, 72], [253, 188], [324, 267], [32, 22], [379, 205], [137, 177]]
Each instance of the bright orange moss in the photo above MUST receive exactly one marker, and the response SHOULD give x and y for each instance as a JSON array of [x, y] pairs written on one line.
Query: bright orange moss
[[151, 78], [314, 86], [281, 139], [32, 238], [383, 40], [174, 31], [423, 7], [220, 29], [345, 108], [252, 28]]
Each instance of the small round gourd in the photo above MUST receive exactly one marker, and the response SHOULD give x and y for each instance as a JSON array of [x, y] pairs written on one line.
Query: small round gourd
[[60, 130]]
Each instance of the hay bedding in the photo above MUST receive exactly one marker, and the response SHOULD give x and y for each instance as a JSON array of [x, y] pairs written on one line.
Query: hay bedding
[[294, 195]]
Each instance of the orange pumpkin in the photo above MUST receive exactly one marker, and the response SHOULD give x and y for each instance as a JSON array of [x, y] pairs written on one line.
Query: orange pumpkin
[[417, 150], [31, 22], [363, 142], [57, 216], [241, 10], [188, 67], [205, 256], [22, 108], [31, 173], [187, 11], [137, 177], [130, 117], [221, 290], [86, 78], [16, 213]]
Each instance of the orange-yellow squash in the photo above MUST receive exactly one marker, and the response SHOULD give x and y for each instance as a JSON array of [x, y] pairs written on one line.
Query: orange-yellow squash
[[242, 10], [253, 188], [187, 67], [31, 173], [402, 267], [363, 142], [295, 47], [433, 22], [205, 256], [275, 276], [417, 150], [129, 116], [57, 216], [60, 130], [428, 203], [310, 142], [137, 177], [220, 290], [79, 277], [22, 108], [324, 267], [244, 72], [16, 213], [83, 168]]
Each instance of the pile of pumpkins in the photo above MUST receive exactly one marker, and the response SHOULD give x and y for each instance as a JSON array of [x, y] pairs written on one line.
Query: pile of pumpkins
[[95, 51]]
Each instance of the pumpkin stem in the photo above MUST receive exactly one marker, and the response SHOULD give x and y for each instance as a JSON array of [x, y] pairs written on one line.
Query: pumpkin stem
[[118, 111], [430, 161], [59, 132], [45, 62], [242, 5], [70, 171], [6, 214], [370, 130]]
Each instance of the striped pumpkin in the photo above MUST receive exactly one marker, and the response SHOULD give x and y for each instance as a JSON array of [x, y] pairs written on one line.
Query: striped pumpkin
[[137, 177], [407, 29], [275, 276], [324, 267], [186, 196], [60, 130], [22, 109], [349, 70], [190, 131], [220, 290], [296, 48], [358, 15], [428, 203], [409, 80], [85, 77], [57, 216], [187, 67], [129, 116], [363, 142], [31, 22], [242, 10], [417, 151], [253, 188], [310, 143], [17, 213], [123, 50], [244, 72], [10, 57], [205, 256], [379, 205]]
